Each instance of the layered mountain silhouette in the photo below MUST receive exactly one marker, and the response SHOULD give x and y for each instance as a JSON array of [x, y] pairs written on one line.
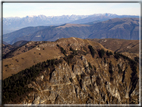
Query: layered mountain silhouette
[[14, 23], [78, 60], [121, 28], [125, 28], [100, 17], [22, 32]]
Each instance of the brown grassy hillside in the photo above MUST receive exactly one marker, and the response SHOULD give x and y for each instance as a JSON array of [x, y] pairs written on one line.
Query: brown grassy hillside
[[34, 52], [42, 52], [129, 48], [71, 71]]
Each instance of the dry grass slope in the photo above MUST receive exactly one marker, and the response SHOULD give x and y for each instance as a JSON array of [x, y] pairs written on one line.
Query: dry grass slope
[[24, 58], [84, 73]]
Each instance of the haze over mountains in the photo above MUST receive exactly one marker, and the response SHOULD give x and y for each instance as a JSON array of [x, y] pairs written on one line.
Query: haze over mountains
[[121, 28], [65, 64], [14, 23], [22, 32]]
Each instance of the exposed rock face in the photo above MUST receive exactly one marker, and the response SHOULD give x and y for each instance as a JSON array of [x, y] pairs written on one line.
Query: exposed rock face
[[77, 85], [83, 78]]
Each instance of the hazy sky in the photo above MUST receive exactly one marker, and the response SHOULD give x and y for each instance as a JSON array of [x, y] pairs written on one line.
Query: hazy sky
[[58, 9]]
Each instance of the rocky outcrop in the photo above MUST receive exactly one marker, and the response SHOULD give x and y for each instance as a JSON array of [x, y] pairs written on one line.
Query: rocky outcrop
[[79, 84], [83, 76]]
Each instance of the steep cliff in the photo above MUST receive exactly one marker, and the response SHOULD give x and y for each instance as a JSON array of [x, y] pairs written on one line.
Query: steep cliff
[[86, 74]]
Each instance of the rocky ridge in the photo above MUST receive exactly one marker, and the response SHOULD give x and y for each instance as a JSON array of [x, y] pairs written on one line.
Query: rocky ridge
[[86, 74]]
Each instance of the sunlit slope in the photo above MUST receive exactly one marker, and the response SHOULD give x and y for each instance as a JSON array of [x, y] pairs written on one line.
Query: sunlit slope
[[41, 53]]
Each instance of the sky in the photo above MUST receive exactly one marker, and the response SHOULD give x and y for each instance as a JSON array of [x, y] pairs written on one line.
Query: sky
[[58, 9]]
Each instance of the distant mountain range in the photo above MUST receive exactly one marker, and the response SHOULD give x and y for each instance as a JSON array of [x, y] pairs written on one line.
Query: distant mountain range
[[121, 28], [22, 32], [124, 28], [15, 23], [99, 18]]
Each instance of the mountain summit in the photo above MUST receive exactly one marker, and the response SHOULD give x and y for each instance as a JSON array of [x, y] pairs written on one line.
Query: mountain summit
[[70, 71]]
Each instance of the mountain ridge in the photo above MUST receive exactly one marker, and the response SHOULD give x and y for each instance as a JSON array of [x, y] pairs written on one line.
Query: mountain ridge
[[121, 28], [21, 32], [70, 71], [36, 50], [11, 24]]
